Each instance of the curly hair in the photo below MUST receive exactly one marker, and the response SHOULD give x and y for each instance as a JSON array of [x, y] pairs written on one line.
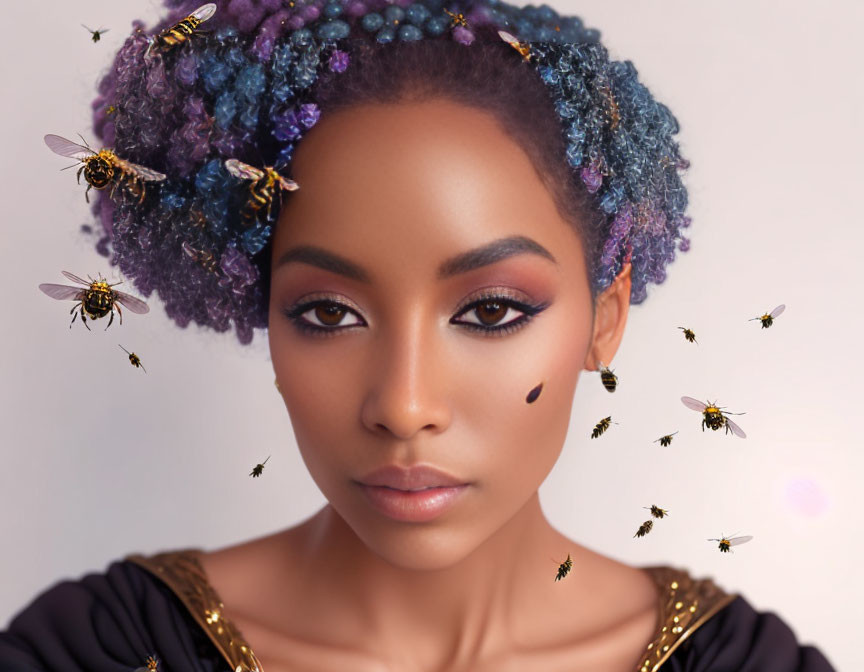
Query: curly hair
[[252, 86]]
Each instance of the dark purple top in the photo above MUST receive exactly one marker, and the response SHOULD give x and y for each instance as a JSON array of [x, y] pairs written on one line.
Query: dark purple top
[[111, 622]]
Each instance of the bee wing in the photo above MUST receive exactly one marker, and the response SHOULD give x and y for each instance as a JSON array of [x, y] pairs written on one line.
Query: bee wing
[[90, 29], [142, 172], [61, 292], [736, 430], [133, 303], [734, 541], [65, 147], [205, 12], [507, 37], [75, 278], [288, 185], [779, 309], [695, 404], [243, 170]]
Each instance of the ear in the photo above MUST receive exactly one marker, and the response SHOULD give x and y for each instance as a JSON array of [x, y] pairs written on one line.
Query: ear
[[610, 316]]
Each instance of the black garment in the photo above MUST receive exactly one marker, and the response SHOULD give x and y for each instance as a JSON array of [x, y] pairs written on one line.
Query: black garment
[[111, 622]]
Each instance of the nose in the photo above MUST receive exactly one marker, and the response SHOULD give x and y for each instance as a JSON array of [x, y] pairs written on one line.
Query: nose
[[408, 382]]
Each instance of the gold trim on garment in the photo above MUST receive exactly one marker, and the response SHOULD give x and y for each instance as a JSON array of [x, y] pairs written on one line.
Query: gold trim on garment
[[686, 604], [183, 573]]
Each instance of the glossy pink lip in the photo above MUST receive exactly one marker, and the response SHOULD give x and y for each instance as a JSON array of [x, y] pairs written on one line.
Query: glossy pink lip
[[412, 478], [415, 507]]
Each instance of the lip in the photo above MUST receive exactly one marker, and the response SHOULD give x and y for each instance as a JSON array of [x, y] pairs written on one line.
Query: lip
[[415, 507], [411, 478]]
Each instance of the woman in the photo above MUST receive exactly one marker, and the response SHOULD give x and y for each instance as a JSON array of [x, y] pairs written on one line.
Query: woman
[[468, 219]]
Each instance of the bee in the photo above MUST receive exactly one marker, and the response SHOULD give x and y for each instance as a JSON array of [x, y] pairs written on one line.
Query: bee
[[151, 665], [768, 318], [111, 109], [96, 298], [522, 47], [656, 511], [104, 167], [133, 358], [609, 379], [261, 190], [689, 335], [602, 426], [714, 417], [564, 568], [258, 469], [181, 31], [666, 440], [458, 19], [96, 35], [205, 259], [727, 542], [644, 528]]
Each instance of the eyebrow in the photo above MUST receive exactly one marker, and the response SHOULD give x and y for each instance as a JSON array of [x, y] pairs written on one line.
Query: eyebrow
[[490, 253]]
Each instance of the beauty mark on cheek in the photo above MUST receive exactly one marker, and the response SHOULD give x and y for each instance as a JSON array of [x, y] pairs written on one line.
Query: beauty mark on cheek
[[533, 394]]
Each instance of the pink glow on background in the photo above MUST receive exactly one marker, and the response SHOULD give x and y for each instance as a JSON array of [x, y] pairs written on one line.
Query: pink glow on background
[[805, 497]]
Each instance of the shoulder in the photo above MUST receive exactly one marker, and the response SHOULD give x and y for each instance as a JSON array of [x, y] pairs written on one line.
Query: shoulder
[[705, 629], [119, 616]]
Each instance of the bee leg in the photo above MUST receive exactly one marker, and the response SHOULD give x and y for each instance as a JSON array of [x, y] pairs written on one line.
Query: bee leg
[[84, 319], [119, 311], [78, 176], [87, 193]]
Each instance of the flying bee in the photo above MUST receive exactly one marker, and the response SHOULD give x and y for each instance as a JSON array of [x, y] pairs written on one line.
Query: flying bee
[[656, 511], [134, 359], [150, 665], [644, 528], [261, 191], [104, 167], [458, 19], [564, 568], [609, 379], [181, 31], [522, 47], [258, 469], [96, 298], [96, 35], [725, 543], [689, 335], [714, 417], [602, 426], [666, 440], [768, 318]]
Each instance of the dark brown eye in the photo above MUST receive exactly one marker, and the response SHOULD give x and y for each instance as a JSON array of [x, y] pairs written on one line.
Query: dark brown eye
[[330, 314], [491, 312]]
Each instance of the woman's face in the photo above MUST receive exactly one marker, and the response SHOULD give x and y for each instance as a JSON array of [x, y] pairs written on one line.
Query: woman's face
[[378, 358]]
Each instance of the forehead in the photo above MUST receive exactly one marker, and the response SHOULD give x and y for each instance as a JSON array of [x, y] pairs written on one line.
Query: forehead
[[416, 182]]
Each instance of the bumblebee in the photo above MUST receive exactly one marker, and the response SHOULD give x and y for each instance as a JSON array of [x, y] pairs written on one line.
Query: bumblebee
[[714, 417], [104, 167], [258, 469], [522, 47], [689, 335], [656, 511], [181, 31], [134, 359], [458, 19], [609, 379], [644, 528], [96, 298], [601, 427], [564, 568], [95, 35], [666, 440], [150, 665], [261, 191], [768, 318], [725, 543]]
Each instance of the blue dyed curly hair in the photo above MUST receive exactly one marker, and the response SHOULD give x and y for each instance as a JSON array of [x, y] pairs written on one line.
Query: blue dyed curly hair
[[260, 73]]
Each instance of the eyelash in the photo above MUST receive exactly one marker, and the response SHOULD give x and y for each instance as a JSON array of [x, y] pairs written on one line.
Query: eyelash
[[295, 312]]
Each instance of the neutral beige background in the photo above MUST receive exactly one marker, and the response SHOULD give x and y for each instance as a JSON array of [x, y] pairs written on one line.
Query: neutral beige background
[[98, 460]]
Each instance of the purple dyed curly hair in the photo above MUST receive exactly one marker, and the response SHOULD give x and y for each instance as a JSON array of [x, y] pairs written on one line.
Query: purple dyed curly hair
[[261, 72]]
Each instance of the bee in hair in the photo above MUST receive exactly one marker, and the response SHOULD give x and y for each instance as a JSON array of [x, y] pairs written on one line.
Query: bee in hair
[[258, 469], [768, 318], [267, 185], [150, 665], [602, 426], [689, 335], [104, 167], [95, 35], [96, 298], [656, 511], [666, 440], [725, 543], [609, 379], [134, 359], [458, 19], [181, 32], [203, 258], [522, 47], [644, 528], [713, 416]]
